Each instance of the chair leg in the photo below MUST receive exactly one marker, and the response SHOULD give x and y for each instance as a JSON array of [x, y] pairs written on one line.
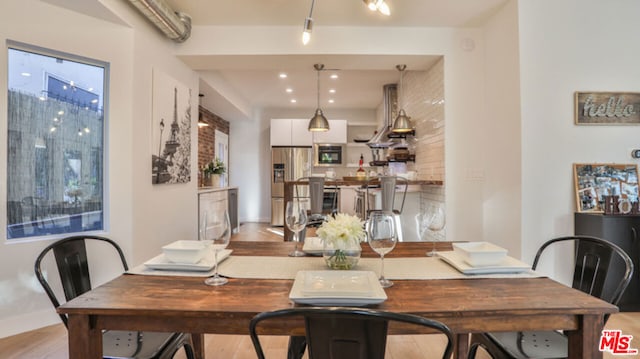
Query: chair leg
[[296, 348], [473, 349], [188, 349]]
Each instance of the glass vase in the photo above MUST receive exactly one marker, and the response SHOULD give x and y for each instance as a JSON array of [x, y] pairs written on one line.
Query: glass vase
[[341, 253]]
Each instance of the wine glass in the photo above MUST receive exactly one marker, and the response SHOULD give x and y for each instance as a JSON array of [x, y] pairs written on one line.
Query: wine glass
[[435, 221], [219, 234], [202, 227], [383, 235], [296, 219]]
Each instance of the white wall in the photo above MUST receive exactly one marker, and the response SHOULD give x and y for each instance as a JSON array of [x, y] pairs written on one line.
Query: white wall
[[142, 217], [568, 46], [501, 174]]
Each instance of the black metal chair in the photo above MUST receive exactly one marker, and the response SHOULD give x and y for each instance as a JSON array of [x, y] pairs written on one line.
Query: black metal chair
[[346, 333], [594, 258], [73, 267]]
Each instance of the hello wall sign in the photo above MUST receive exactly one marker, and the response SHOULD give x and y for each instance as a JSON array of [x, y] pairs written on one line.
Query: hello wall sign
[[607, 108]]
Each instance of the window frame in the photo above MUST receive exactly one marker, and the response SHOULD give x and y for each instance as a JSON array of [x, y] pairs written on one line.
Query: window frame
[[4, 140]]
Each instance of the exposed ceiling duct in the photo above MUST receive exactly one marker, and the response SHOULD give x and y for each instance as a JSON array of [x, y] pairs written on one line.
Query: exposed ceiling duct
[[175, 25]]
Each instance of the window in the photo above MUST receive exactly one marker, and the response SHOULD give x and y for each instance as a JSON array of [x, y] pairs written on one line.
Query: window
[[56, 127]]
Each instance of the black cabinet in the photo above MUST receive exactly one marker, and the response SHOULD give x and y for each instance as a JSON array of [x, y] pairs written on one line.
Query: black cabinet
[[625, 232]]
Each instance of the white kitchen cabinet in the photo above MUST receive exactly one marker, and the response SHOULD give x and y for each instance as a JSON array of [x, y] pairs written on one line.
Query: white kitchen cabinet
[[290, 132], [337, 133], [300, 134]]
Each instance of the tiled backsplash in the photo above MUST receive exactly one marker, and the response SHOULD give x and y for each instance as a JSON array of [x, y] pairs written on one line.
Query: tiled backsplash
[[423, 100]]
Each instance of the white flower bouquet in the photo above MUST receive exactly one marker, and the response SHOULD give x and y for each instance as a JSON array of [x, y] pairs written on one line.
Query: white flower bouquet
[[341, 236]]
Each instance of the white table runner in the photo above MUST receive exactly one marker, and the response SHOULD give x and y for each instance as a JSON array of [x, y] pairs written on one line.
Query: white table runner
[[418, 268]]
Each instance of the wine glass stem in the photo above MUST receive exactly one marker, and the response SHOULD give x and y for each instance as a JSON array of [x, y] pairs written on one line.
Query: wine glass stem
[[215, 258], [295, 239], [382, 266]]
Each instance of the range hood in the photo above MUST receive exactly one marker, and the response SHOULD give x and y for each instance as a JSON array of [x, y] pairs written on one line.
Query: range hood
[[389, 106]]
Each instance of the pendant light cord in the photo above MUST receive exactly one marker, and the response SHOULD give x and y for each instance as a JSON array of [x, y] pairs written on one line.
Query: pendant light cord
[[401, 68], [318, 67]]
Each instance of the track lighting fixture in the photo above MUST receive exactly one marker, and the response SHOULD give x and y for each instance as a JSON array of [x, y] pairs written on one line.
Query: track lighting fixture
[[308, 26], [379, 5]]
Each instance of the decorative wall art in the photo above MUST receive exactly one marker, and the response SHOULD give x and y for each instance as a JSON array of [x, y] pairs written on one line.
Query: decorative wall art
[[597, 185], [171, 126], [607, 108]]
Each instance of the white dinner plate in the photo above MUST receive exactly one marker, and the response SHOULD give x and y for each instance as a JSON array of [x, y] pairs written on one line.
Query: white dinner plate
[[161, 262], [312, 246], [508, 265], [337, 287]]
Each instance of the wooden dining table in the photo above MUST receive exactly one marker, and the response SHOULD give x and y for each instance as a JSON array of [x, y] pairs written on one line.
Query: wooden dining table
[[186, 304]]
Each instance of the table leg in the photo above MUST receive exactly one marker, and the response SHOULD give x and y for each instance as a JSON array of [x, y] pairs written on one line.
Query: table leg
[[198, 345], [85, 342], [460, 345], [584, 342]]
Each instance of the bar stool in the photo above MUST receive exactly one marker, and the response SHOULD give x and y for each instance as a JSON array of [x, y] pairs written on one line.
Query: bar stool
[[316, 198], [388, 187]]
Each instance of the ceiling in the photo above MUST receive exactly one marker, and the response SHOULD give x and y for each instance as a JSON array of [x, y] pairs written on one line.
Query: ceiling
[[256, 80]]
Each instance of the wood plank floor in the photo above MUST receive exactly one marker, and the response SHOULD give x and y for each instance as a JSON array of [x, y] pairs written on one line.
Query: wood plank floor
[[51, 342]]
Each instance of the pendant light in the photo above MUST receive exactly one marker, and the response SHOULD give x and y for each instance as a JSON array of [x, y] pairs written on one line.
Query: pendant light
[[402, 124], [318, 122]]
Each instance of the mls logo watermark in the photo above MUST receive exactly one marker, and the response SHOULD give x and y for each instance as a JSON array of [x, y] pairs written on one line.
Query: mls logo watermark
[[613, 341]]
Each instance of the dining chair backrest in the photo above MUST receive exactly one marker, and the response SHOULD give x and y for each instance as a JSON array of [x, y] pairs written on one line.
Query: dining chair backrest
[[594, 258], [346, 333], [73, 267], [601, 269]]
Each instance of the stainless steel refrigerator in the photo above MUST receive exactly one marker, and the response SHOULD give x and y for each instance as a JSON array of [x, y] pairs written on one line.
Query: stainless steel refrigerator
[[287, 164]]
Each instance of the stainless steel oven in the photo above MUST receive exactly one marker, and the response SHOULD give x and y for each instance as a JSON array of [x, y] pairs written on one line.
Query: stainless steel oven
[[328, 154], [330, 199]]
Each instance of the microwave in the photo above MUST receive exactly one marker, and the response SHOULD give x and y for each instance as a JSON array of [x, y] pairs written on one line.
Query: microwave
[[328, 154]]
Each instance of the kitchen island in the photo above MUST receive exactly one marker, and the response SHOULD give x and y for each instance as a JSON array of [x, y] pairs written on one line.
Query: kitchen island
[[216, 199], [371, 183]]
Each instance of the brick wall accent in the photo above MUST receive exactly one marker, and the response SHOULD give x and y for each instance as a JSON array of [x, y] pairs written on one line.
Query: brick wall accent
[[207, 135]]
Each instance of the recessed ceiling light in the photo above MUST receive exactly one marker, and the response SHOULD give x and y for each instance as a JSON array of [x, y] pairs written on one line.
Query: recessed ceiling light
[[289, 90], [331, 100], [332, 90], [334, 76], [25, 74], [283, 75], [293, 100]]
